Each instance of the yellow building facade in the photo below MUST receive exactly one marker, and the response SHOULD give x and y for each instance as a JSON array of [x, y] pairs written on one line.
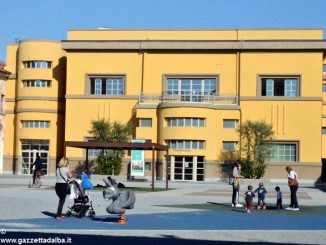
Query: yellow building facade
[[188, 89]]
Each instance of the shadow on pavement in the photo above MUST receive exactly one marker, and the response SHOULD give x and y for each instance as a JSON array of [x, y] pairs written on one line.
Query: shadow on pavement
[[220, 204], [59, 238], [319, 186], [50, 214], [107, 220]]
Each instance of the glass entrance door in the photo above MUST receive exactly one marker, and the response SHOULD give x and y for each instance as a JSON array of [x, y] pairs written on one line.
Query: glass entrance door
[[183, 168], [189, 168], [30, 149], [28, 157]]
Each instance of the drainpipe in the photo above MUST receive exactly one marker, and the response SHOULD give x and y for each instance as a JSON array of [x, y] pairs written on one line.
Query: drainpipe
[[142, 70], [238, 86]]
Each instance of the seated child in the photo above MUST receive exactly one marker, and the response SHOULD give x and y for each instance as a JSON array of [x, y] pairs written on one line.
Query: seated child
[[86, 183], [249, 196], [278, 198], [261, 195]]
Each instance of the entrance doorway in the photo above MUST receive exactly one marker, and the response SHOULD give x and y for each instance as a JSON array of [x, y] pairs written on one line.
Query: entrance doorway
[[30, 149], [189, 168]]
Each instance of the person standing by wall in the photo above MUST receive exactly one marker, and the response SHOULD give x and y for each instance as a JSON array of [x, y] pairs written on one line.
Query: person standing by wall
[[236, 184], [63, 175], [294, 185]]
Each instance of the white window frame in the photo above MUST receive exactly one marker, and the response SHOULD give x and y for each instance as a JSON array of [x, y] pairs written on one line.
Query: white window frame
[[144, 125], [37, 83], [111, 85], [234, 121], [291, 86], [177, 86], [224, 143], [197, 122], [37, 64], [286, 152], [186, 144], [35, 124]]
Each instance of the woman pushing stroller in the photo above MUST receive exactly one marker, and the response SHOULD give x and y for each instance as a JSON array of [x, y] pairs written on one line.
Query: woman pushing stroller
[[63, 175], [82, 203]]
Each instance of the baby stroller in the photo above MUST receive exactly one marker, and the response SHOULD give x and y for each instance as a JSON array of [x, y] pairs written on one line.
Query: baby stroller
[[82, 203]]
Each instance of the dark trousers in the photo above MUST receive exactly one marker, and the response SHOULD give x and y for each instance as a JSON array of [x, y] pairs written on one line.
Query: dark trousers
[[235, 195], [279, 204], [294, 200], [61, 190], [261, 200], [34, 174]]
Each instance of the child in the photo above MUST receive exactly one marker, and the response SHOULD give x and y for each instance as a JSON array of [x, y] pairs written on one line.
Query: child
[[261, 195], [86, 183], [278, 198], [248, 196]]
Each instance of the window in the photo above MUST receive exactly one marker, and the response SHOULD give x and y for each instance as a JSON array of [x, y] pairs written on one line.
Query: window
[[229, 145], [324, 88], [39, 145], [324, 67], [42, 64], [37, 83], [284, 152], [35, 124], [92, 153], [185, 122], [229, 123], [148, 166], [145, 122], [323, 130], [287, 87], [191, 89], [107, 85], [186, 144]]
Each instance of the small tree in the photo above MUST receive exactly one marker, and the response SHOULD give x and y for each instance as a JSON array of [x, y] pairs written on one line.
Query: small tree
[[227, 159], [110, 161], [255, 149]]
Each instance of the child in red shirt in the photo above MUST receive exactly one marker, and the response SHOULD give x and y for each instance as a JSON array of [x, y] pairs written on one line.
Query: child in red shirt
[[249, 196]]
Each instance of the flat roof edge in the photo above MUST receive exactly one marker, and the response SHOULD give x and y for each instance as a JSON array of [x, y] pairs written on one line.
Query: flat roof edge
[[199, 29], [119, 146], [197, 45]]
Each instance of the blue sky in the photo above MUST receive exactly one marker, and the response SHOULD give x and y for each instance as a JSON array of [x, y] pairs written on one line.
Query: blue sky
[[49, 19]]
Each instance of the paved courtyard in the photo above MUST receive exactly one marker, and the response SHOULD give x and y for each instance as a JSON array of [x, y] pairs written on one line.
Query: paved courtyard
[[193, 213]]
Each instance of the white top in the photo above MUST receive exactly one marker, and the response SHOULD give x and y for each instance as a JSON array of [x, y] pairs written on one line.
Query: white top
[[63, 171], [292, 175], [236, 172]]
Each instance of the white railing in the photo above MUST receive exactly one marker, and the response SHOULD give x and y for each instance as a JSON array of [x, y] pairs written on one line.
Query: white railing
[[225, 99]]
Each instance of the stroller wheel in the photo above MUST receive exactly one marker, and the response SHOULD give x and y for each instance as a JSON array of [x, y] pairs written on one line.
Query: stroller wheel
[[80, 214], [68, 213], [91, 213]]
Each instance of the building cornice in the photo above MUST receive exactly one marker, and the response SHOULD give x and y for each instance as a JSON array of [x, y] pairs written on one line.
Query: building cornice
[[194, 105], [127, 97], [279, 98], [38, 110], [306, 45], [44, 98]]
